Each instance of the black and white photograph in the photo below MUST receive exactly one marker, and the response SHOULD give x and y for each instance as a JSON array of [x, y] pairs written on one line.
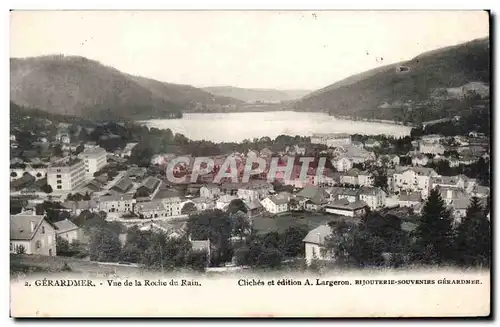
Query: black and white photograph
[[266, 156]]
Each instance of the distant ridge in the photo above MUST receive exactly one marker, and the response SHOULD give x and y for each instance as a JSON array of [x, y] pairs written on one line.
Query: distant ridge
[[79, 86], [411, 91], [257, 95]]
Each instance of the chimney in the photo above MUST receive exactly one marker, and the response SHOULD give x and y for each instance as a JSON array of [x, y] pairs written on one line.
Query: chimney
[[33, 225]]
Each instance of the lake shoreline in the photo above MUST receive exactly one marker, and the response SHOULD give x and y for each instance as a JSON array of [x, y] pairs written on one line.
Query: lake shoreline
[[238, 126]]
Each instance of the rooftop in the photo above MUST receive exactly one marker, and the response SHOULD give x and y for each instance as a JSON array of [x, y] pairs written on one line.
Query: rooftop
[[65, 226], [21, 226], [66, 162], [93, 152], [124, 197], [318, 235]]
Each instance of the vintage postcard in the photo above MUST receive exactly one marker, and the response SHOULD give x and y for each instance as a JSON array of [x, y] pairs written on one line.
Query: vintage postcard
[[250, 164]]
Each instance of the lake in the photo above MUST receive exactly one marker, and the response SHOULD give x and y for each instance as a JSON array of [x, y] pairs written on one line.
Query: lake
[[235, 127]]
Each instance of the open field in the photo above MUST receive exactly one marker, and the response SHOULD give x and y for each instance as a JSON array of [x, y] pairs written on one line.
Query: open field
[[30, 264], [281, 222]]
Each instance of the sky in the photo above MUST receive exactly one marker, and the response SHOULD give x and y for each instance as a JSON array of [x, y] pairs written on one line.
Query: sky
[[251, 49]]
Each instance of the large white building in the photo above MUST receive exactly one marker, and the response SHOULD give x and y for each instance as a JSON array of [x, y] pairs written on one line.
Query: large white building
[[431, 148], [342, 163], [331, 139], [275, 204], [374, 197], [95, 159], [66, 174], [117, 203], [414, 179]]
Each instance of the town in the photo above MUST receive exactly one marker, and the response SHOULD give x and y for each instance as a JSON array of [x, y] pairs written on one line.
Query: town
[[101, 192]]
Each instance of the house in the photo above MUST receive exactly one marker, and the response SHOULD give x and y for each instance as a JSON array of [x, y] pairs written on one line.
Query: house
[[172, 205], [230, 188], [372, 143], [342, 163], [275, 204], [358, 144], [458, 208], [365, 178], [123, 185], [203, 203], [32, 234], [223, 201], [448, 194], [419, 159], [354, 154], [69, 231], [431, 148], [413, 179], [149, 186], [314, 244], [151, 209], [136, 173], [338, 193], [388, 160], [76, 207], [210, 191], [331, 140], [254, 208], [458, 181], [312, 197], [329, 178], [410, 199], [350, 177], [374, 197], [345, 208], [116, 203], [254, 190], [432, 138]]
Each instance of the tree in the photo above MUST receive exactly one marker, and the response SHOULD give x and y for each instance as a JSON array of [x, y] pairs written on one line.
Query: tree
[[188, 208], [197, 260], [62, 246], [473, 241], [380, 180], [57, 151], [434, 238], [47, 188], [291, 239], [236, 205], [216, 226], [104, 245], [240, 223], [79, 148], [261, 251]]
